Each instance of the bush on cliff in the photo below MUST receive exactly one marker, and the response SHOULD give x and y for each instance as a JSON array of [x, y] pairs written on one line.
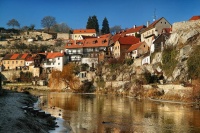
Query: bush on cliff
[[169, 61], [193, 63]]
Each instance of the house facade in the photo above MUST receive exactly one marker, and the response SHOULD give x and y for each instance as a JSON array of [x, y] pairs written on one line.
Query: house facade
[[122, 45], [88, 50], [78, 33], [137, 50], [54, 60], [154, 29], [14, 61]]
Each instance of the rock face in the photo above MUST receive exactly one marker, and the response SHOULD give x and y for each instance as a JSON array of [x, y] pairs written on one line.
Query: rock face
[[185, 35]]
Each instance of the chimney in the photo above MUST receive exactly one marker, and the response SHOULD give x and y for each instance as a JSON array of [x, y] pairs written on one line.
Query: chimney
[[51, 51], [134, 26], [148, 22], [61, 51]]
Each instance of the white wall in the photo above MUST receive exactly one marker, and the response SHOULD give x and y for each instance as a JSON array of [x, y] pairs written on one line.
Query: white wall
[[90, 61]]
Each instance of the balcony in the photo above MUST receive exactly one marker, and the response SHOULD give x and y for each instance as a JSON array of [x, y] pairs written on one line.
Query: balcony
[[73, 53]]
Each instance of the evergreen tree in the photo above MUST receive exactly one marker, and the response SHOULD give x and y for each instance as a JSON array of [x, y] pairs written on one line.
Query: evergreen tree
[[93, 23], [105, 27], [89, 23]]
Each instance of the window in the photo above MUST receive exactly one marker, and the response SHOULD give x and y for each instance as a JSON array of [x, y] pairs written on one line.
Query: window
[[144, 46], [8, 62], [69, 44], [161, 22], [58, 63], [165, 22], [58, 58], [16, 62], [12, 62]]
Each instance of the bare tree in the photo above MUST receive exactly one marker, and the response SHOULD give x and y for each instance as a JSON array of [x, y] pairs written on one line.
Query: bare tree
[[48, 22], [63, 28], [13, 23], [115, 29]]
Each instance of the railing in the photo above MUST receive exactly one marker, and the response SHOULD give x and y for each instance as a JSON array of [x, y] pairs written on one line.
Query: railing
[[74, 53]]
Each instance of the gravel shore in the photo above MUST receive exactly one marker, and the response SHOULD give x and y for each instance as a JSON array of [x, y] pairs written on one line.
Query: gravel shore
[[13, 119]]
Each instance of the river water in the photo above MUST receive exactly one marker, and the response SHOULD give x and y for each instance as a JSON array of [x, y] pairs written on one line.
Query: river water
[[90, 113]]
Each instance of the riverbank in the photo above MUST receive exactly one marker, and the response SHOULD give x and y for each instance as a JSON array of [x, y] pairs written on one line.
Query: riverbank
[[15, 119]]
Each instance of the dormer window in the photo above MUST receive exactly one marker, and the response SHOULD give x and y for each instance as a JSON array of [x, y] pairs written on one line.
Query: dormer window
[[69, 44]]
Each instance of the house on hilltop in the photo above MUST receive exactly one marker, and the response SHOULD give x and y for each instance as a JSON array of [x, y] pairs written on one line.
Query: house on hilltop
[[79, 33], [154, 29]]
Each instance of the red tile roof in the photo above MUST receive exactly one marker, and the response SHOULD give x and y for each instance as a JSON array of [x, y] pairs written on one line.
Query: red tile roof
[[80, 31], [24, 56], [89, 42], [29, 58], [134, 29], [53, 55], [195, 18], [14, 56], [116, 37], [134, 47], [128, 40]]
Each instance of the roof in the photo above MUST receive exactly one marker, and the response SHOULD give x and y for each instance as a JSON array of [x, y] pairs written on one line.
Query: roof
[[80, 31], [52, 55], [195, 18], [15, 56], [134, 29], [128, 40], [135, 46], [152, 25], [29, 58], [89, 42]]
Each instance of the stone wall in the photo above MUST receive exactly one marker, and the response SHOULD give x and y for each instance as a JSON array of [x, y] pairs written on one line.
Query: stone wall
[[116, 84], [169, 87]]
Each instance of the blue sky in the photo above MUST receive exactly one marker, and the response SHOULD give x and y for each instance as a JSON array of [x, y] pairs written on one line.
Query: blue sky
[[75, 13]]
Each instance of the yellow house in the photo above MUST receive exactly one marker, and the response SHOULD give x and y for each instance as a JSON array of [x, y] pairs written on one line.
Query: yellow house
[[78, 34], [14, 61], [153, 30]]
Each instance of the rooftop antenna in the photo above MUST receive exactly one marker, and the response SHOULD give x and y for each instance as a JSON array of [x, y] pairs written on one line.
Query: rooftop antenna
[[154, 15]]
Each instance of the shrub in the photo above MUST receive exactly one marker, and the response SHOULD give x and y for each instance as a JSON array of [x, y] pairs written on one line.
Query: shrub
[[193, 63], [169, 61], [129, 61]]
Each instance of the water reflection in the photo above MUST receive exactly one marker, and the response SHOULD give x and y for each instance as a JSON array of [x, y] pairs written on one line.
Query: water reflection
[[88, 113]]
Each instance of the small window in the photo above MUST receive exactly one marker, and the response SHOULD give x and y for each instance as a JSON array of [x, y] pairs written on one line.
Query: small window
[[12, 62], [58, 63], [161, 22], [58, 58], [144, 46], [165, 23]]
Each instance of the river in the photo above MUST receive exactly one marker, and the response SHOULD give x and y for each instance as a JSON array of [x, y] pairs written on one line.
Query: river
[[91, 113]]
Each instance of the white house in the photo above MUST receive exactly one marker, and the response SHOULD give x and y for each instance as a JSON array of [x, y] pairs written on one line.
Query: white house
[[55, 60]]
